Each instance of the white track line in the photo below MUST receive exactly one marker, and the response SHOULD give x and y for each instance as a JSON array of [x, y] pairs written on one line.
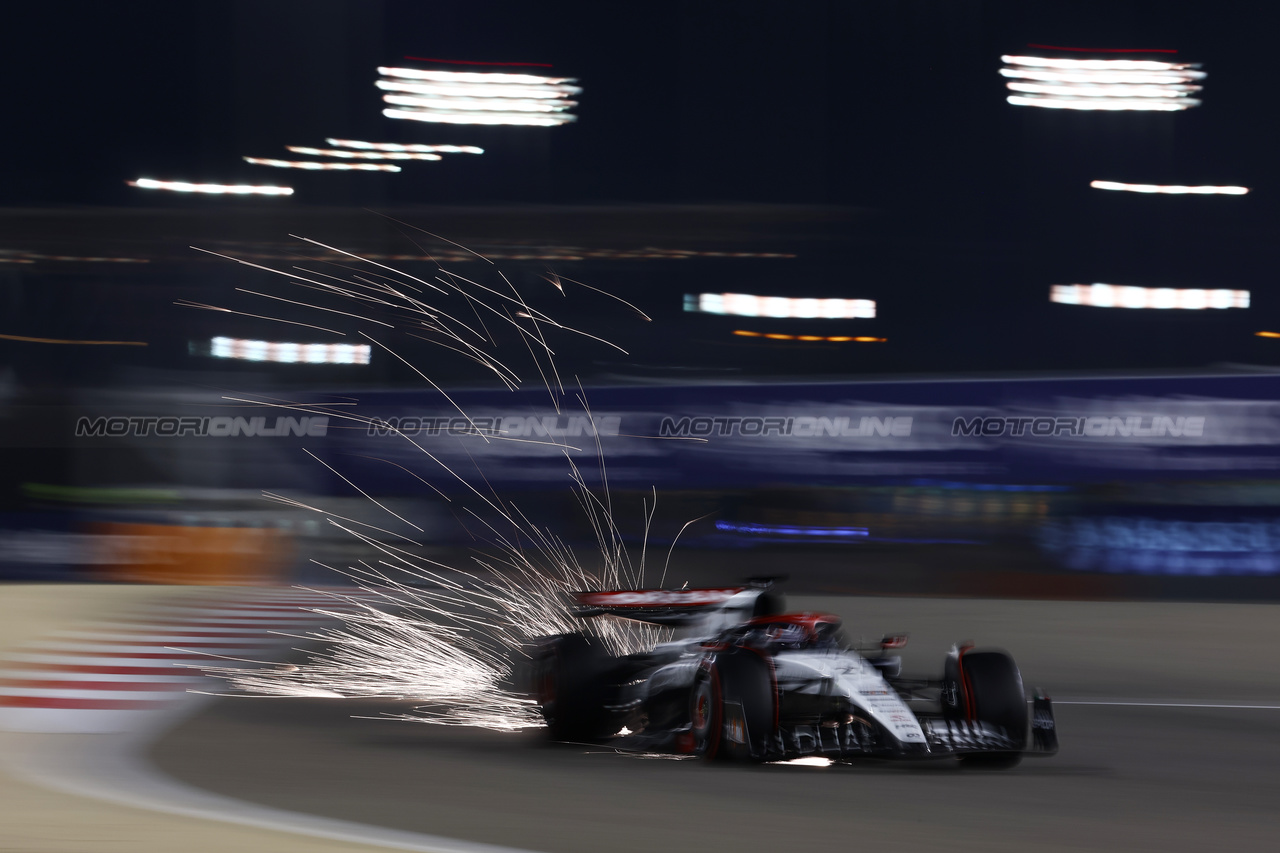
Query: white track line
[[1167, 705]]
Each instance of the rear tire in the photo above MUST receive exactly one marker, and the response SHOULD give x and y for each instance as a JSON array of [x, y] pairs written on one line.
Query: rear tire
[[706, 715], [570, 685], [991, 691]]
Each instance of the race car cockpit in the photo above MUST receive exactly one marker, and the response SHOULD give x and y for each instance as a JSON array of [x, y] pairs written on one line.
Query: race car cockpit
[[790, 632]]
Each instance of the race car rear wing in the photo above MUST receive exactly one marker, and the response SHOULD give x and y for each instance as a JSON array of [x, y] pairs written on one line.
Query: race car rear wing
[[673, 606]]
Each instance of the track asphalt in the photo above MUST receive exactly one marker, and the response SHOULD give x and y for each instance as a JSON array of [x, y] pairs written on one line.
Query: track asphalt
[[1129, 777]]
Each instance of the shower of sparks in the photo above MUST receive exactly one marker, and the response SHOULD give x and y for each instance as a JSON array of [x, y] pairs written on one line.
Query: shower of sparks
[[452, 639]]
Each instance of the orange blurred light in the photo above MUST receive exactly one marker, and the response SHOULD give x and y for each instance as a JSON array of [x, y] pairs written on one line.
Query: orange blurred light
[[1268, 334], [810, 338], [29, 340]]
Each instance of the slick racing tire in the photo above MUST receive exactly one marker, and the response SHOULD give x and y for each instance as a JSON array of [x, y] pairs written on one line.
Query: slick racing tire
[[988, 689], [706, 715], [734, 708], [569, 680]]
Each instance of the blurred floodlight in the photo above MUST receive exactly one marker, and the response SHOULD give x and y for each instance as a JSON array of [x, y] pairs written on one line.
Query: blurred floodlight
[[473, 97], [289, 353], [437, 117], [396, 146], [362, 155], [479, 90], [1136, 104], [453, 105], [1097, 64], [1101, 84], [212, 189], [1126, 296], [316, 165], [486, 77], [1172, 189], [1101, 90], [746, 305]]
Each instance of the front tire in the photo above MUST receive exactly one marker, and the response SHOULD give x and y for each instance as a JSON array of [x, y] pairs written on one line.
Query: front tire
[[734, 708], [988, 688]]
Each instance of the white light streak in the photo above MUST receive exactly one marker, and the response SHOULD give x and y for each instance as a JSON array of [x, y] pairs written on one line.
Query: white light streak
[[1136, 104], [1240, 707], [212, 189], [1091, 78], [315, 165], [1109, 91], [396, 146], [362, 155], [479, 90], [1101, 84], [746, 305], [472, 76], [289, 353], [471, 97], [535, 119], [1098, 64], [1122, 296], [515, 105], [1167, 189]]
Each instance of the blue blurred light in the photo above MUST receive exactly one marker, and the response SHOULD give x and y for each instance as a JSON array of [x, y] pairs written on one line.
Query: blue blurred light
[[789, 530], [1165, 547]]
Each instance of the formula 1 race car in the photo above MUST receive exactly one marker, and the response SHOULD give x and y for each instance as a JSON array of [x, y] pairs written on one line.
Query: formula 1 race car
[[746, 681]]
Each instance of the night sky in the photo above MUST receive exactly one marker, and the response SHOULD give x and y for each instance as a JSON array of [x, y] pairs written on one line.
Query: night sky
[[892, 105], [894, 108]]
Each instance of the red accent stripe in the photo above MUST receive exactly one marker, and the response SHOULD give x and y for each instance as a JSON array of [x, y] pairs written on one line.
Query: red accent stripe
[[80, 704], [40, 684], [90, 669], [469, 62], [1101, 49]]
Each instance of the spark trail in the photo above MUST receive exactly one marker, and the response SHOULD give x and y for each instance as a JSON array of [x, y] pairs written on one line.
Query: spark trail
[[451, 638]]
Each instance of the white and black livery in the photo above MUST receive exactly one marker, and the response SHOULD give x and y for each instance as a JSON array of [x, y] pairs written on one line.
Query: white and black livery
[[746, 681]]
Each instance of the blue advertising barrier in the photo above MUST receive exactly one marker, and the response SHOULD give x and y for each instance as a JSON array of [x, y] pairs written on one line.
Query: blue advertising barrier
[[999, 434]]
